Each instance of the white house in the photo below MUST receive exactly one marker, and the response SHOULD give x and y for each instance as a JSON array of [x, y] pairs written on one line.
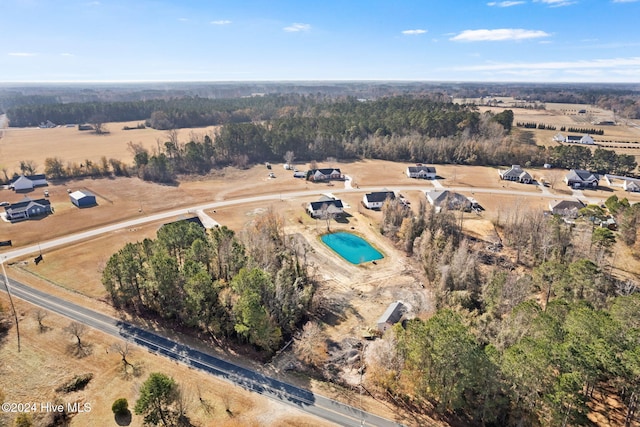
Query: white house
[[424, 172], [580, 178], [517, 174], [624, 182], [376, 199], [324, 207], [574, 139], [28, 182], [448, 200]]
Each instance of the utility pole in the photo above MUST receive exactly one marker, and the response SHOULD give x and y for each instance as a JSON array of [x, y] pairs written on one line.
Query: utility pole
[[13, 308]]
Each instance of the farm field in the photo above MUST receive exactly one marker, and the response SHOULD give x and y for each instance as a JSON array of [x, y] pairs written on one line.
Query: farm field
[[72, 145]]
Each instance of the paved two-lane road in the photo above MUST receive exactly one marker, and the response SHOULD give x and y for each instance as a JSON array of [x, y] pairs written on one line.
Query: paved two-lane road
[[330, 410]]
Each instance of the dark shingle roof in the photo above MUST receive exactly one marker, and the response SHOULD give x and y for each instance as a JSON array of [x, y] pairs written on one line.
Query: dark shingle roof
[[416, 169], [380, 196], [333, 202], [25, 204]]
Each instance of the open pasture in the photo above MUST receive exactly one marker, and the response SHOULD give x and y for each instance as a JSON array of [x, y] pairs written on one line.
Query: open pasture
[[75, 146]]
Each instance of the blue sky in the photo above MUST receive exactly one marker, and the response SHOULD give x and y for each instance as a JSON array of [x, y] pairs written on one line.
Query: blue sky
[[236, 40]]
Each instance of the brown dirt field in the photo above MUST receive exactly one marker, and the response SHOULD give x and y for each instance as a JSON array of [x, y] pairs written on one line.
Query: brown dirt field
[[72, 145], [44, 363]]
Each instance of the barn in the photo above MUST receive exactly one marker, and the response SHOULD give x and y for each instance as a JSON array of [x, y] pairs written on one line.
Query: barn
[[82, 198]]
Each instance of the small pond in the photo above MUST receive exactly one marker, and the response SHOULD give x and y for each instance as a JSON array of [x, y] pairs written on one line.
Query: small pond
[[353, 248]]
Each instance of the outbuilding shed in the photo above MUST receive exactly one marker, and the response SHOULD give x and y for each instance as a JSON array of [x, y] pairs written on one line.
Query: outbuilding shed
[[82, 198]]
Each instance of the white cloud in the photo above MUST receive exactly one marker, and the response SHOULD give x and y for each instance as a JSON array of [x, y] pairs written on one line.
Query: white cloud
[[413, 32], [221, 22], [505, 3], [556, 3], [21, 54], [67, 54], [183, 19], [297, 27], [498, 35]]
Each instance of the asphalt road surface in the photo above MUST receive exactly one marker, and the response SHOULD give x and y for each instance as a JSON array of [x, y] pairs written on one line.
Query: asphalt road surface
[[330, 410]]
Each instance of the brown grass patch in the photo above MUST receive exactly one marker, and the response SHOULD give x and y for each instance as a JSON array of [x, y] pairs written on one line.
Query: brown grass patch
[[43, 364]]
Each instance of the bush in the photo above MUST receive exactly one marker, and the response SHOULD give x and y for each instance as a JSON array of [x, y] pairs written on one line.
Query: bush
[[77, 383], [120, 407]]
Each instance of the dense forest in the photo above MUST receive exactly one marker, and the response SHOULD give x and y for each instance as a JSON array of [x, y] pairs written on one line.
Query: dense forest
[[203, 104], [534, 334], [255, 290], [399, 129]]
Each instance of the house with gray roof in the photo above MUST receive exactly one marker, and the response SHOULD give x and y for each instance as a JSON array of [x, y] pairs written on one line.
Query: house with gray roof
[[516, 174], [28, 208], [448, 200], [421, 171], [28, 182], [566, 208], [376, 199], [624, 182], [580, 178], [392, 315], [324, 207], [324, 174]]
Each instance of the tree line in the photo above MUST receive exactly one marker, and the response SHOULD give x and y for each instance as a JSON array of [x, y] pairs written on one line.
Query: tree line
[[158, 113], [257, 291], [599, 160]]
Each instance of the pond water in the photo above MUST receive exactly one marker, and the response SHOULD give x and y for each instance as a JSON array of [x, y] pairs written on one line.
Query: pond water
[[353, 248]]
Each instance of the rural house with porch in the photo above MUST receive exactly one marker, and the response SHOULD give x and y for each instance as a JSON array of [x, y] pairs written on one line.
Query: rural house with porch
[[420, 171], [516, 174], [28, 208], [580, 178]]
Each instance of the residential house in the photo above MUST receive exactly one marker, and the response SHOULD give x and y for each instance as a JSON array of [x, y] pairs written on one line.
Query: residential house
[[448, 200], [376, 199], [28, 208], [631, 185], [558, 137], [574, 139], [517, 174], [392, 315], [324, 207], [325, 174], [420, 171], [624, 182], [580, 178], [28, 182], [566, 208], [82, 199]]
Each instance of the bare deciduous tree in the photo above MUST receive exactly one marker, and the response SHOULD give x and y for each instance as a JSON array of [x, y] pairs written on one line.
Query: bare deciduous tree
[[28, 167], [39, 315], [78, 330], [289, 157], [311, 346]]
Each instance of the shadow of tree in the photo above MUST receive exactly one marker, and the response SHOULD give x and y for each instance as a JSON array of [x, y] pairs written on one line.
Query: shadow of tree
[[123, 419]]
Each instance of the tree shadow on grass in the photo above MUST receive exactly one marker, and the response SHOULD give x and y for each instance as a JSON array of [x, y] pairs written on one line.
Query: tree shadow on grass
[[80, 351], [123, 419]]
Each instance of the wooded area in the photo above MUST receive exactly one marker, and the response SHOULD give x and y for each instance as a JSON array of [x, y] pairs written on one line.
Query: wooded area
[[532, 341], [256, 291]]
